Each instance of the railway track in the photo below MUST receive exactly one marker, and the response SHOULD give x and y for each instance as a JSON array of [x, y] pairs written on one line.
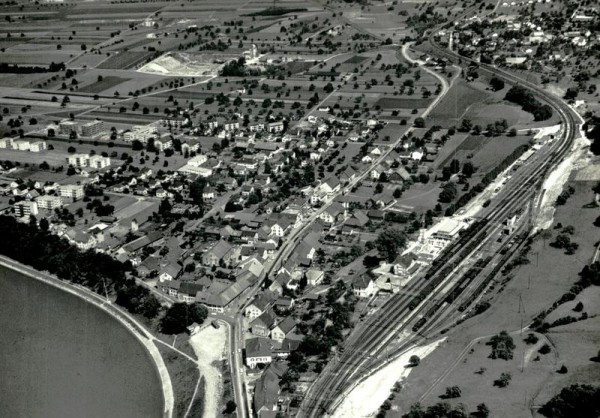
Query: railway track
[[364, 349]]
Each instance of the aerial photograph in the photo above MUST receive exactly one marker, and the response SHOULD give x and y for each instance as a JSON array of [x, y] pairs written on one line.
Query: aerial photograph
[[299, 208]]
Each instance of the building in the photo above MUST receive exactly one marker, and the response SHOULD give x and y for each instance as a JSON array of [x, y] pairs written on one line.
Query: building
[[283, 329], [446, 233], [26, 208], [72, 191], [258, 306], [363, 287], [258, 350], [38, 146], [275, 127], [49, 202], [140, 133], [262, 325], [92, 128], [222, 251], [78, 160], [92, 161], [65, 127], [405, 265], [98, 162], [22, 145], [6, 143]]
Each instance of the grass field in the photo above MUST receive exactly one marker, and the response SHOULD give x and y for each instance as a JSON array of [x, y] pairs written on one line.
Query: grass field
[[455, 104]]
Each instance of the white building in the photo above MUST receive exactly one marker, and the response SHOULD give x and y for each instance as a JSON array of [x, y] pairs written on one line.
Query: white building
[[49, 202], [72, 191], [26, 208]]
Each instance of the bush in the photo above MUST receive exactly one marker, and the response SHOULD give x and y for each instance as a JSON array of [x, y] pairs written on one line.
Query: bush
[[545, 349]]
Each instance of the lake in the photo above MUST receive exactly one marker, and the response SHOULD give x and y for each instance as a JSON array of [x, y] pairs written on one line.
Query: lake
[[62, 357]]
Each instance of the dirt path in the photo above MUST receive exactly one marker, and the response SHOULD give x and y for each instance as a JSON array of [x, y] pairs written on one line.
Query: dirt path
[[210, 346]]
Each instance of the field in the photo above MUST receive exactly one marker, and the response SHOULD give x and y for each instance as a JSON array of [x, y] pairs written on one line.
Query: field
[[482, 115], [124, 60], [402, 103], [100, 86], [531, 289], [484, 152], [419, 198], [455, 104]]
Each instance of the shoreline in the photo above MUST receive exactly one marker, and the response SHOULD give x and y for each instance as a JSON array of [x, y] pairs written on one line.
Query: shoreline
[[144, 337]]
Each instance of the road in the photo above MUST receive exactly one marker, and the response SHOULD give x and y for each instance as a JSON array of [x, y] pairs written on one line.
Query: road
[[365, 347]]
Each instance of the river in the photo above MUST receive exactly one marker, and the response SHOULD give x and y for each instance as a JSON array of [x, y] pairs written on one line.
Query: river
[[62, 357]]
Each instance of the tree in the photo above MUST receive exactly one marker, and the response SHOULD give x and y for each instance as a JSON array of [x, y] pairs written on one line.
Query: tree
[[414, 361], [502, 346], [503, 381], [496, 83], [452, 392], [419, 122], [389, 242], [181, 315], [466, 125], [230, 407], [44, 166], [482, 411], [44, 225], [448, 193], [582, 401], [468, 169]]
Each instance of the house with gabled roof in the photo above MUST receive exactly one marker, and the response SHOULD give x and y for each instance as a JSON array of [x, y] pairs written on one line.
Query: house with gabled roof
[[405, 265], [221, 251], [262, 325], [169, 272], [280, 331], [259, 305], [333, 213], [267, 392], [258, 350], [363, 286]]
